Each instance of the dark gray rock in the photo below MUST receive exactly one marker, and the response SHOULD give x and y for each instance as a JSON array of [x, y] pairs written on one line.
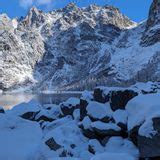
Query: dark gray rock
[[150, 147], [108, 132], [52, 144], [133, 135], [1, 110], [89, 133], [29, 115], [119, 99], [99, 97], [83, 111]]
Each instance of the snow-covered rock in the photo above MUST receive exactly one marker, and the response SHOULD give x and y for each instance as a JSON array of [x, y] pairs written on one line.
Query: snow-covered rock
[[71, 139], [99, 111], [26, 110], [142, 108], [105, 129], [48, 113], [69, 106], [19, 138], [86, 95], [87, 130], [148, 138], [120, 116]]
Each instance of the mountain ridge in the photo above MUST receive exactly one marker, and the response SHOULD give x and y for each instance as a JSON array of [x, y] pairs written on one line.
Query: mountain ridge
[[78, 48]]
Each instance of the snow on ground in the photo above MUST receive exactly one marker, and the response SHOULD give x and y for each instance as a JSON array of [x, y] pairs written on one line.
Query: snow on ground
[[113, 156], [19, 139], [120, 145]]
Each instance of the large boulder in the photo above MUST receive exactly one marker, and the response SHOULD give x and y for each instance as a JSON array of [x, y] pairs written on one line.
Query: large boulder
[[26, 110], [148, 139], [143, 124], [69, 106], [119, 98], [95, 146], [48, 113], [99, 111], [99, 96], [142, 107], [120, 118], [105, 129], [87, 130], [83, 111]]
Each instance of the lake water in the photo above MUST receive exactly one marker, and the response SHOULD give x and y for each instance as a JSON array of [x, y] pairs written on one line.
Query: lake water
[[9, 100]]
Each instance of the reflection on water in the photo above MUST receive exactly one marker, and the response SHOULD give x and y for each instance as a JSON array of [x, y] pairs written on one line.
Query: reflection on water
[[9, 100]]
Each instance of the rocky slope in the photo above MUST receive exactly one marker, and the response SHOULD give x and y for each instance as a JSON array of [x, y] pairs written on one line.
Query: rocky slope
[[77, 48]]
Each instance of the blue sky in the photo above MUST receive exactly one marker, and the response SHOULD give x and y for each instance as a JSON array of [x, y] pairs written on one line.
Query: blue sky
[[136, 10]]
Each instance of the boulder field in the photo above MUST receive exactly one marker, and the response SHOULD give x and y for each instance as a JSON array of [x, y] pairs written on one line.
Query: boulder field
[[109, 124]]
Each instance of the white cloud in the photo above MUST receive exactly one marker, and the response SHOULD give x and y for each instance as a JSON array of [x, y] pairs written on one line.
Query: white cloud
[[29, 3], [44, 2], [26, 3]]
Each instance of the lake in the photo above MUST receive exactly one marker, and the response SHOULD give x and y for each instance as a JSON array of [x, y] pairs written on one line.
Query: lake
[[10, 100]]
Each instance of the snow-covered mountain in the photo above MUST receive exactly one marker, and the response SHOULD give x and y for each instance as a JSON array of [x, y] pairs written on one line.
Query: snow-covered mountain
[[77, 48]]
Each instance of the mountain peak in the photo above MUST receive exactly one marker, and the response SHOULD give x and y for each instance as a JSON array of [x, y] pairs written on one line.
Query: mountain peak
[[70, 7], [34, 18]]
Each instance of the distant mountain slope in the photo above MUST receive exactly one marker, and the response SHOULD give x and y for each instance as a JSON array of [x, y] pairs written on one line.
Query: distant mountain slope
[[77, 48]]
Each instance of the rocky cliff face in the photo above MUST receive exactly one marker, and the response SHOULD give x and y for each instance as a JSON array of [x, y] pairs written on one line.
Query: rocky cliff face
[[76, 48], [152, 32]]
